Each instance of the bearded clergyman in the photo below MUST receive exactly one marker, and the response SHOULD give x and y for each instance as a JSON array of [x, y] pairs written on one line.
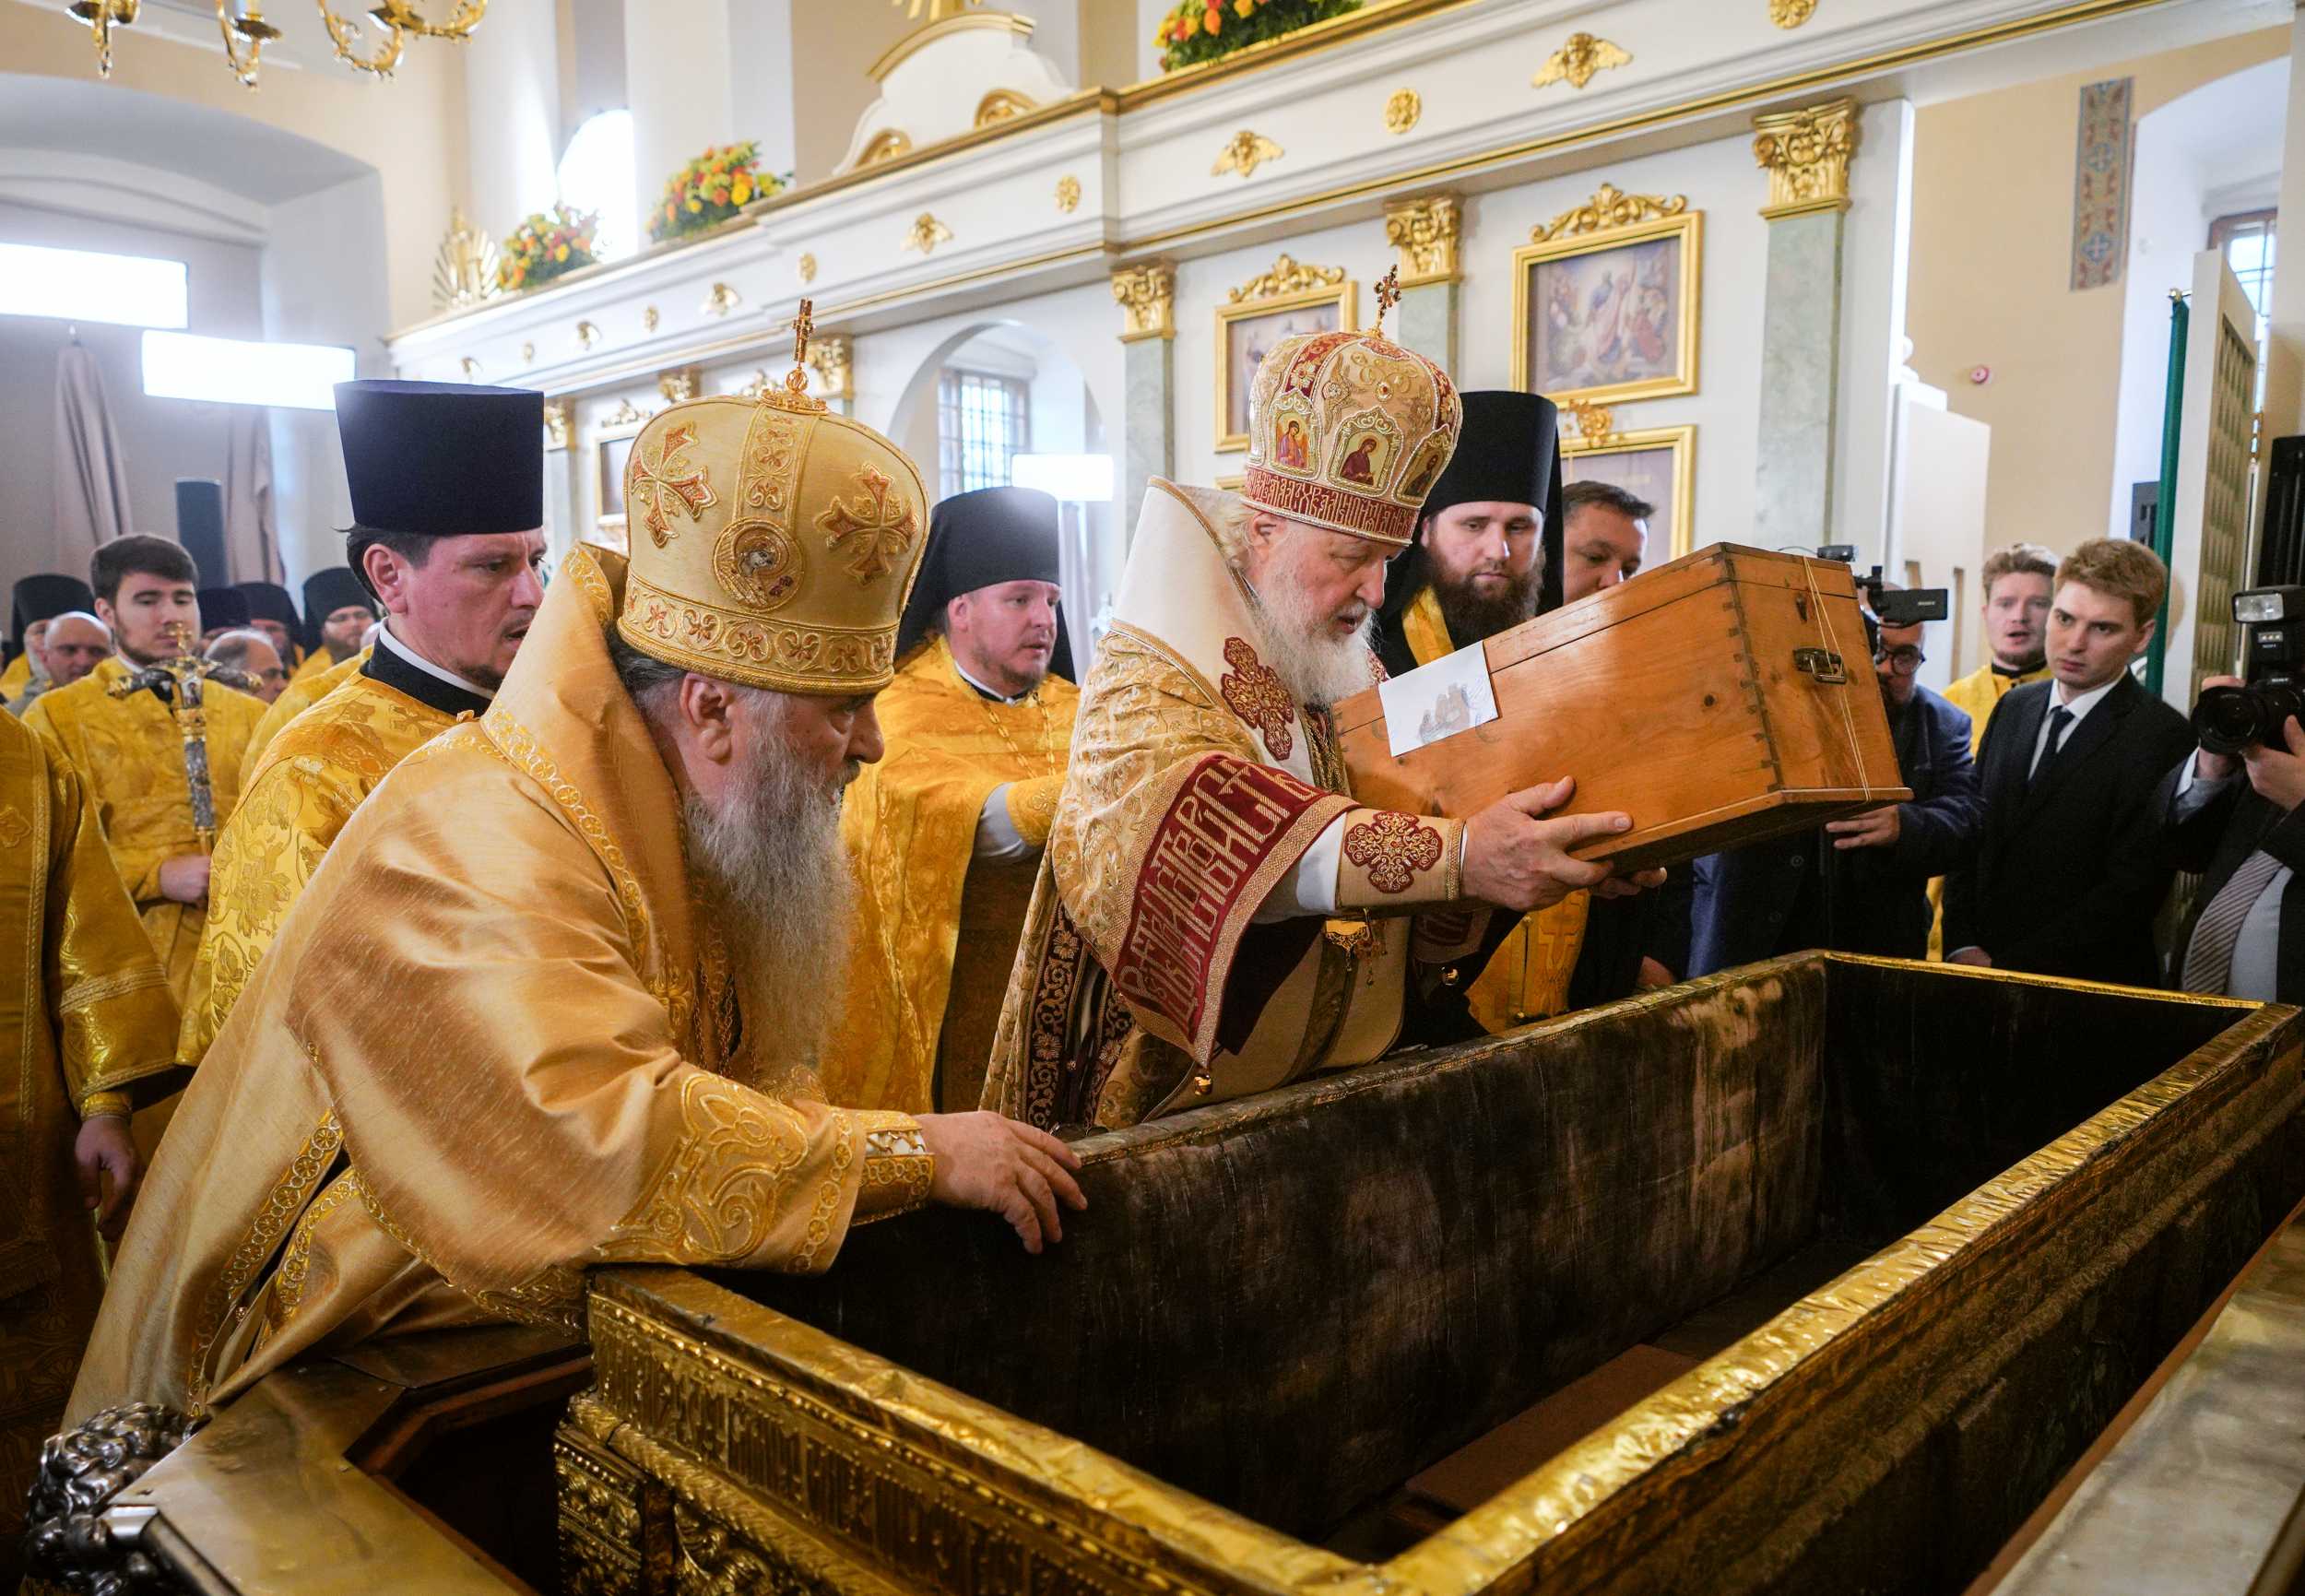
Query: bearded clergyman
[[1214, 913], [555, 998], [947, 831], [1488, 555]]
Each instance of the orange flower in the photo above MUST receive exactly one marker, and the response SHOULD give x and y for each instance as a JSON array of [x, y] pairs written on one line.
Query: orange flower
[[1213, 21]]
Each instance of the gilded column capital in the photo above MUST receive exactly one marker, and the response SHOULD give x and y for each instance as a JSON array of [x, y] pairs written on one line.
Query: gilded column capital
[[1147, 297], [557, 421], [1806, 153], [829, 357], [1424, 233]]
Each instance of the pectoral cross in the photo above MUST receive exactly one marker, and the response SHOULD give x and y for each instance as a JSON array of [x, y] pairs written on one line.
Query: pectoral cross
[[1387, 295], [185, 678]]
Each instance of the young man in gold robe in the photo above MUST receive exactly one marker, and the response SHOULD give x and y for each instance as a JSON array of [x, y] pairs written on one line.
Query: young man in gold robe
[[946, 831], [447, 486], [554, 1001], [1215, 916], [1491, 542], [130, 750], [90, 1030]]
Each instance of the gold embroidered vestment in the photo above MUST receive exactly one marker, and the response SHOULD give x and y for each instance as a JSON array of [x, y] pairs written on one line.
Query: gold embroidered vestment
[[914, 980], [298, 696]]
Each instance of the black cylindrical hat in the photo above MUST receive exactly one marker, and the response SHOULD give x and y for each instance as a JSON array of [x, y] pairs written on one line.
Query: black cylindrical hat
[[223, 607], [327, 591], [980, 540], [1509, 453], [270, 601], [442, 459], [45, 597]]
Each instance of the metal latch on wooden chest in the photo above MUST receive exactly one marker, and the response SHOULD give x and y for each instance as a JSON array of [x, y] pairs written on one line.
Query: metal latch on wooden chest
[[1821, 663]]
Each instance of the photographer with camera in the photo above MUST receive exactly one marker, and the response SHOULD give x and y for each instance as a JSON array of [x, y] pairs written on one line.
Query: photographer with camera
[[2230, 813]]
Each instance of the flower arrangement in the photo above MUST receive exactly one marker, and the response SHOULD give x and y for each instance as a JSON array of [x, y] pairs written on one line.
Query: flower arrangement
[[711, 189], [1197, 31], [549, 245]]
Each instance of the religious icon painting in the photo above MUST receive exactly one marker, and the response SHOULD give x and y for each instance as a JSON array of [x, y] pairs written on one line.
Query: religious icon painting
[[1291, 450], [1365, 450], [1611, 314], [1248, 329], [612, 456], [1418, 481], [1658, 465]]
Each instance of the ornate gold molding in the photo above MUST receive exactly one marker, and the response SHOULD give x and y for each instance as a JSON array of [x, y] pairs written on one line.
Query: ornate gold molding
[[806, 268], [1577, 60], [680, 384], [1147, 297], [1288, 276], [721, 299], [587, 335], [1596, 424], [829, 356], [886, 144], [1245, 153], [1068, 193], [1806, 156], [527, 353], [626, 414], [926, 233], [464, 271], [1791, 13], [559, 420], [648, 318], [1002, 105], [1609, 206], [1426, 232], [471, 369], [761, 384], [1402, 111]]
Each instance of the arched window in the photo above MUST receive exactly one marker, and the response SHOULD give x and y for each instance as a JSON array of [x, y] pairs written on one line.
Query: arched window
[[597, 174]]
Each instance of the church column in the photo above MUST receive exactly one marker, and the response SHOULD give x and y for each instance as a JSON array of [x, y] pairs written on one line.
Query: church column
[[561, 532], [1424, 234], [1147, 296], [1806, 156]]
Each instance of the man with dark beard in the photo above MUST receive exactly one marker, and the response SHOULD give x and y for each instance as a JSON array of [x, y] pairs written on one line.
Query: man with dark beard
[[1215, 916], [555, 998]]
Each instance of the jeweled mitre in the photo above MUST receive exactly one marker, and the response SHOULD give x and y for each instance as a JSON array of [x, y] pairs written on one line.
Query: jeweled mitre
[[773, 543], [1349, 431]]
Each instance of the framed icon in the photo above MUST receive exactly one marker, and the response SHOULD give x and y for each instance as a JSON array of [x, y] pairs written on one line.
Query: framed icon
[[1658, 465], [1246, 331], [1609, 314]]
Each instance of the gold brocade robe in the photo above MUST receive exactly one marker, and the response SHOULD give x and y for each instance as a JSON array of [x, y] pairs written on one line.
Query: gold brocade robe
[[1527, 978], [495, 1042], [87, 1024], [915, 981], [131, 760], [16, 678], [299, 695], [297, 798], [319, 662]]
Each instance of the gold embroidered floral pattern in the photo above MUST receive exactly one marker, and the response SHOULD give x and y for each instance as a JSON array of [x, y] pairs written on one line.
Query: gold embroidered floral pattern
[[1252, 690], [818, 655], [288, 1291], [726, 1190], [897, 1171], [657, 487], [882, 530], [281, 1208], [771, 454], [1393, 848], [13, 827]]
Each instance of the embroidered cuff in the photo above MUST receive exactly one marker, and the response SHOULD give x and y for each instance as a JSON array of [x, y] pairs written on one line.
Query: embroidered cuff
[[118, 1103], [1396, 861], [1032, 806], [897, 1167]]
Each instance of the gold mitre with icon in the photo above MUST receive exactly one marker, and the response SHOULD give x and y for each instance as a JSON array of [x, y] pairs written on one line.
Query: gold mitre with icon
[[1350, 431], [773, 542]]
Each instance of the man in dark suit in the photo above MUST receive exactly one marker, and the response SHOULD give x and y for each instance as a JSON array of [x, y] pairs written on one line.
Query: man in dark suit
[[2073, 861], [1861, 885], [2245, 837]]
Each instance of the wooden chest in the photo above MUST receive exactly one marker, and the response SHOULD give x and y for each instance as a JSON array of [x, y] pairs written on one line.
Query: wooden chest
[[1725, 698], [1813, 1276]]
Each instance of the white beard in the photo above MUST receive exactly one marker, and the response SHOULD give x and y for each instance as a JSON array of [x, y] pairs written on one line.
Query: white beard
[[1316, 666]]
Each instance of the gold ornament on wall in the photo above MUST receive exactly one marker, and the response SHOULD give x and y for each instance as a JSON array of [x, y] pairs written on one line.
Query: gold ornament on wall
[[1577, 60], [805, 268], [1001, 105], [1424, 232], [626, 414], [102, 17], [829, 359], [1288, 276], [464, 270], [1595, 424], [757, 387], [1609, 207], [1806, 156], [1068, 193], [935, 10], [886, 144], [1245, 153], [527, 353], [559, 421], [470, 367], [926, 233], [648, 318], [721, 299], [586, 334], [1402, 111], [681, 383], [1791, 13], [1147, 297]]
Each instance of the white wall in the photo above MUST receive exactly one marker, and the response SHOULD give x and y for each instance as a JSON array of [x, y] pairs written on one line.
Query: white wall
[[677, 92], [512, 116]]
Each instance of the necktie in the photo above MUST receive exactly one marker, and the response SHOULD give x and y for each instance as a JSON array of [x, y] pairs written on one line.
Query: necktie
[[2059, 722], [2209, 956]]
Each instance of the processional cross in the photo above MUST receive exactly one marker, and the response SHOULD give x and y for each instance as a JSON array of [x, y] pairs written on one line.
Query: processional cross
[[183, 683]]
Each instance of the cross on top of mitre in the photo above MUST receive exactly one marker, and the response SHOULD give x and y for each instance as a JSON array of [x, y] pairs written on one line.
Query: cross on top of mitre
[[1387, 295], [796, 395]]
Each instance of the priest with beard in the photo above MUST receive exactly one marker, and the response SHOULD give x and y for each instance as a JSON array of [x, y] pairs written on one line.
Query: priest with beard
[[557, 997], [1215, 916], [946, 831], [1486, 556]]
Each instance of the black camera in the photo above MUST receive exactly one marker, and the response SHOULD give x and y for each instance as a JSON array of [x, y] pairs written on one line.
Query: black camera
[[2229, 720], [1898, 606]]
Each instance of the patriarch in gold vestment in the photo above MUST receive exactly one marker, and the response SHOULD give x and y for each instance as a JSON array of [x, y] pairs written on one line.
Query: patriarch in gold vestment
[[554, 1000], [91, 1033], [447, 484], [1216, 914], [130, 750], [946, 831]]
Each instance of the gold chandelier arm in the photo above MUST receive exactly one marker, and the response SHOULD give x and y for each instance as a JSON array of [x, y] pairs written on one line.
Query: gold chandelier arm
[[251, 31], [345, 36], [400, 15]]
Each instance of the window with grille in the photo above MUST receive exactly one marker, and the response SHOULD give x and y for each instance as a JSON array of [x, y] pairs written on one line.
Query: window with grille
[[2245, 238], [981, 427]]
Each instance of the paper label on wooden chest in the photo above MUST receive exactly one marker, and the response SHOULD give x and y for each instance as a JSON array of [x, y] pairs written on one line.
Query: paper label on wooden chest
[[1438, 701]]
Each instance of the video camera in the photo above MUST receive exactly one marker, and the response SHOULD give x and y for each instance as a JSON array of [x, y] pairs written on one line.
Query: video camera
[[2229, 720], [1893, 606]]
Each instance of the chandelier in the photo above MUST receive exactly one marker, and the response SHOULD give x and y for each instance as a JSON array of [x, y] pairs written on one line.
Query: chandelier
[[246, 33]]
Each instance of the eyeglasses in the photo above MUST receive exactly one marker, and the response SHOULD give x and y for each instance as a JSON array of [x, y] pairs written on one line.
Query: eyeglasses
[[1904, 661]]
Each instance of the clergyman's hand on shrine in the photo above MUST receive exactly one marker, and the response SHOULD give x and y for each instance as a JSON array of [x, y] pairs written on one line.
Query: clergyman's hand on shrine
[[104, 1148], [1517, 859], [986, 1161]]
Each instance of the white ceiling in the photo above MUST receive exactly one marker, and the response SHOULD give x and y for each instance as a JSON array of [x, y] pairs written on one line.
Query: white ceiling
[[233, 153]]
